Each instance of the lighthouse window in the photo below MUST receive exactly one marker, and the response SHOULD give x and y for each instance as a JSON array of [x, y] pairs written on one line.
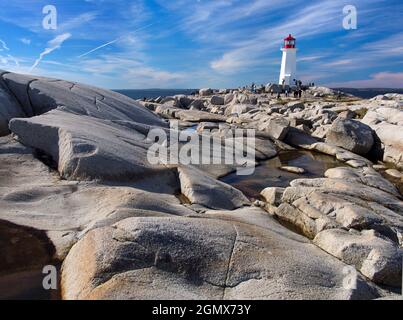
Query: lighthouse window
[[290, 42]]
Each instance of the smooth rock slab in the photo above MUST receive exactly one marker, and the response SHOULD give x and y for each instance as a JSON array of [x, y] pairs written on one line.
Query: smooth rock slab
[[87, 148], [205, 92], [32, 195], [165, 258], [39, 95]]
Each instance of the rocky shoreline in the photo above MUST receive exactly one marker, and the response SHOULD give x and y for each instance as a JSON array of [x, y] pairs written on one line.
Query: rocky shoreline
[[74, 169]]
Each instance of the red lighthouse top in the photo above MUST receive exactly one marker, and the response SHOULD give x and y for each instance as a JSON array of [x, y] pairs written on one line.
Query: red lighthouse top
[[289, 42]]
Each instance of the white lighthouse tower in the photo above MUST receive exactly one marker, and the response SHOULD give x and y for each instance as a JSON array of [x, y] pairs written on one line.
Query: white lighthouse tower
[[289, 61]]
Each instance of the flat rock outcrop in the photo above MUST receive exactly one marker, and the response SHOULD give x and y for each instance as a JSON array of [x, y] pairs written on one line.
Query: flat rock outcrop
[[335, 209], [33, 195], [158, 258], [88, 148]]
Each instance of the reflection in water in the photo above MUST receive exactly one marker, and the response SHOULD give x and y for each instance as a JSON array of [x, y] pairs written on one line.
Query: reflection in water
[[268, 174]]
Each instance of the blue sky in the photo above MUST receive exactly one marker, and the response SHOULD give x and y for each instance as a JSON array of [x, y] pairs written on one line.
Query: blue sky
[[200, 43]]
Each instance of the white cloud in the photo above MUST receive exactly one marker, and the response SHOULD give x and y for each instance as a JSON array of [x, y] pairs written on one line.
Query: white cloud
[[77, 22], [25, 41], [309, 58], [377, 80], [302, 21], [315, 19], [337, 63], [53, 45], [5, 60], [126, 71]]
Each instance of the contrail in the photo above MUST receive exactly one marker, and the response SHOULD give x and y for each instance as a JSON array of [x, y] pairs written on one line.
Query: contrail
[[100, 47], [113, 41], [54, 44], [4, 45]]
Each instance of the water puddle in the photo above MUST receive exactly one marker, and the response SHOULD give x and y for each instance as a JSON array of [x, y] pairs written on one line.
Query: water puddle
[[191, 129], [268, 173], [24, 253]]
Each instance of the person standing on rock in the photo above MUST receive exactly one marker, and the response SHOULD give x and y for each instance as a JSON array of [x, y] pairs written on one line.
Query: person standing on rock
[[299, 89], [283, 87], [253, 88]]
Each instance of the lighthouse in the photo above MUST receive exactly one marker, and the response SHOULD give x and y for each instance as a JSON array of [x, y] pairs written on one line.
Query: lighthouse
[[289, 61]]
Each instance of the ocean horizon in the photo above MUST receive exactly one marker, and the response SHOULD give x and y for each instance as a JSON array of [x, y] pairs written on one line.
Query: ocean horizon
[[153, 93], [364, 93]]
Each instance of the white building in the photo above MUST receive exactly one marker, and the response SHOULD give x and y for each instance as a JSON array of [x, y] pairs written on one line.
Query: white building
[[289, 61]]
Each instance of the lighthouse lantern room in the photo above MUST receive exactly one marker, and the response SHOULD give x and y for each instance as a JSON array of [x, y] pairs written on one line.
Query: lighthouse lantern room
[[289, 61]]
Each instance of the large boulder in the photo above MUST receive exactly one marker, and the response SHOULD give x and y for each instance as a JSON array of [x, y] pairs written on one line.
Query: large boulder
[[217, 100], [293, 106], [228, 98], [351, 135], [197, 104], [229, 255], [200, 188], [88, 148], [184, 100], [378, 259], [205, 92], [322, 91], [277, 127], [272, 195], [246, 99], [387, 124]]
